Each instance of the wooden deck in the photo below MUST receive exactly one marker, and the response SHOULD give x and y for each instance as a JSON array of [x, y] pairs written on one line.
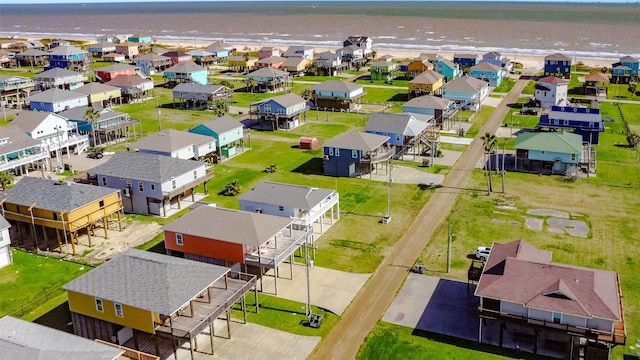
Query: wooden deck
[[273, 254]]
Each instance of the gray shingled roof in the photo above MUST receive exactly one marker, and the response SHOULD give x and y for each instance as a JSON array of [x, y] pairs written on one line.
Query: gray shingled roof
[[95, 88], [336, 85], [233, 226], [287, 195], [56, 73], [28, 120], [403, 123], [54, 95], [171, 140], [628, 58], [145, 167], [24, 340], [288, 100], [185, 67], [197, 88], [357, 141], [557, 57], [117, 67], [18, 139], [53, 195], [152, 57], [466, 84], [128, 81], [77, 113], [222, 124], [485, 66], [66, 51], [429, 102], [268, 72], [4, 224], [148, 281], [427, 77]]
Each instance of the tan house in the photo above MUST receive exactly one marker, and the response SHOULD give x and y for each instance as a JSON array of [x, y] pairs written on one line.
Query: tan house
[[428, 82], [101, 95], [418, 66], [238, 63], [128, 49]]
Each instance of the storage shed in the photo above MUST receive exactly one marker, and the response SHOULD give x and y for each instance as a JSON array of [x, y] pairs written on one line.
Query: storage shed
[[308, 143]]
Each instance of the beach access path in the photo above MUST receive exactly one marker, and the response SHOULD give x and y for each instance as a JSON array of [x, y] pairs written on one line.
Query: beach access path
[[375, 297]]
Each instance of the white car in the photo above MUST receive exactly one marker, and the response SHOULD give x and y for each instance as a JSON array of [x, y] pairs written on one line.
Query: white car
[[482, 253]]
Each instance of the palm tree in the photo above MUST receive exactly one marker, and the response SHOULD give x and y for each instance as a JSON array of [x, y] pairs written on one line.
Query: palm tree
[[6, 178], [251, 84], [489, 141], [232, 189], [91, 115]]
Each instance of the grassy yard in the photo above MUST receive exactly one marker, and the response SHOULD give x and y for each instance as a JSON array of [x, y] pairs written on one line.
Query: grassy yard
[[382, 95], [33, 282], [505, 86], [478, 120], [530, 88]]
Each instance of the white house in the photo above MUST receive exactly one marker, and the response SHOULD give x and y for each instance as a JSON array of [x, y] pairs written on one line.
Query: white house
[[551, 91], [5, 242], [177, 144], [467, 92]]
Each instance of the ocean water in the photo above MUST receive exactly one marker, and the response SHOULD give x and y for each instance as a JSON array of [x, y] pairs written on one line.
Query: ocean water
[[520, 28]]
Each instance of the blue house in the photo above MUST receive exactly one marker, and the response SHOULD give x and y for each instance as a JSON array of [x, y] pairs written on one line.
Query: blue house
[[466, 60], [557, 65], [468, 92], [442, 109], [583, 121], [280, 112], [228, 132], [497, 59], [355, 154], [140, 39], [67, 57], [336, 94], [403, 129], [555, 152], [109, 126], [187, 71], [488, 72], [448, 69], [625, 70], [56, 100]]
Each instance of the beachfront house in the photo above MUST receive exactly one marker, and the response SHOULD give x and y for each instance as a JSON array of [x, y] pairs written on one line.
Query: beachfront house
[[140, 39], [416, 67], [442, 109], [186, 71], [363, 42], [129, 49], [383, 70], [270, 79], [7, 58], [110, 126], [177, 144], [466, 61], [404, 131], [535, 305], [327, 64], [218, 53], [551, 91], [352, 55], [557, 65], [269, 51], [133, 87], [56, 100], [32, 57], [154, 301], [59, 78], [272, 61], [5, 243], [101, 95], [352, 154], [239, 63], [625, 70], [467, 92], [555, 152], [336, 95], [55, 133], [20, 153], [54, 211], [228, 134], [68, 57], [428, 82], [152, 64], [151, 184], [114, 57], [497, 59], [306, 52], [596, 84], [488, 72], [280, 112], [112, 38], [14, 89], [229, 237], [100, 49], [583, 121], [203, 57], [309, 206], [202, 96], [110, 72], [447, 68]]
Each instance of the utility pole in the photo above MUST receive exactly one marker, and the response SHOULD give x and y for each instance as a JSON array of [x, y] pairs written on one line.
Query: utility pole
[[449, 246], [159, 113], [504, 149]]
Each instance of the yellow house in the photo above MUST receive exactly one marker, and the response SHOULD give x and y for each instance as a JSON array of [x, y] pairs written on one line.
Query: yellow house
[[139, 291], [418, 66], [60, 209], [428, 82], [101, 95], [239, 63]]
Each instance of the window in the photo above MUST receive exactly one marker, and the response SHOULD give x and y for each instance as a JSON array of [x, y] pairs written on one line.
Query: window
[[179, 239], [541, 152], [195, 174], [152, 187], [100, 203], [267, 107], [330, 151], [573, 157], [354, 154], [337, 152], [118, 308], [55, 216], [281, 208], [141, 186], [99, 305], [173, 183], [557, 317], [129, 184], [104, 181]]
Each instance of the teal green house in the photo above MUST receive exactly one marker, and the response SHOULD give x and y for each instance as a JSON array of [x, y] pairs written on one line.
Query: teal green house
[[140, 39], [555, 152], [228, 132], [187, 71]]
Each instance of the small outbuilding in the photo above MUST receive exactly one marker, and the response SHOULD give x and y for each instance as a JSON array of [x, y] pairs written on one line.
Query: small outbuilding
[[309, 143]]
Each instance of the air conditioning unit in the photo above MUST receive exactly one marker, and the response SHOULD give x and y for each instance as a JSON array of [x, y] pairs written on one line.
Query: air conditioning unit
[[326, 157], [127, 192]]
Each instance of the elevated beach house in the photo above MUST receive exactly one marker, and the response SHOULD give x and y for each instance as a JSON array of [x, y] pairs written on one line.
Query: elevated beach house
[[152, 64], [229, 237], [557, 65], [140, 39], [228, 133], [496, 58], [269, 51], [186, 71], [583, 121], [271, 61], [307, 52], [352, 55], [32, 57], [551, 91], [442, 109], [177, 56], [428, 82], [111, 126], [448, 69], [466, 61], [151, 184], [177, 144], [101, 49], [416, 67], [295, 65], [5, 243], [14, 89], [405, 132], [625, 70], [152, 300], [488, 72], [336, 95], [108, 73], [535, 305], [240, 63], [352, 154], [133, 87], [383, 70], [56, 134], [363, 42], [327, 63], [200, 96], [20, 153], [467, 92], [101, 95], [270, 79], [129, 49], [68, 57], [56, 212], [59, 78], [310, 206], [554, 152], [56, 100], [280, 112]]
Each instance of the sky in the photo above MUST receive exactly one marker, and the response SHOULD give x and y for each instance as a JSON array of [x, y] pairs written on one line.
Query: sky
[[119, 1]]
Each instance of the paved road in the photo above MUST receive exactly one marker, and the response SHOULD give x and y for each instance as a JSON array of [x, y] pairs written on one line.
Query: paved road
[[374, 298]]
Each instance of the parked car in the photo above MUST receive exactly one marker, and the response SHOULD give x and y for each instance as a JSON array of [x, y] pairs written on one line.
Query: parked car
[[95, 155], [482, 253], [528, 111]]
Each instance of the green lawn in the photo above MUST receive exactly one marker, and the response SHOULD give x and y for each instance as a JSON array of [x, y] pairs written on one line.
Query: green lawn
[[505, 86], [478, 120], [32, 280], [530, 88], [382, 95]]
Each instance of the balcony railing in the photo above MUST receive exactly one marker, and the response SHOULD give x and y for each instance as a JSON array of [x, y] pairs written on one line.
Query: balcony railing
[[24, 160]]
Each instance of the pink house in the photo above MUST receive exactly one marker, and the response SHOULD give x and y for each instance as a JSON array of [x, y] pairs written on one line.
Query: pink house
[[109, 73], [177, 57], [269, 51]]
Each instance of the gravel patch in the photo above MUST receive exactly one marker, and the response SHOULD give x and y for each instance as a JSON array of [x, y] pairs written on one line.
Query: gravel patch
[[577, 228], [497, 221], [533, 223], [547, 212]]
